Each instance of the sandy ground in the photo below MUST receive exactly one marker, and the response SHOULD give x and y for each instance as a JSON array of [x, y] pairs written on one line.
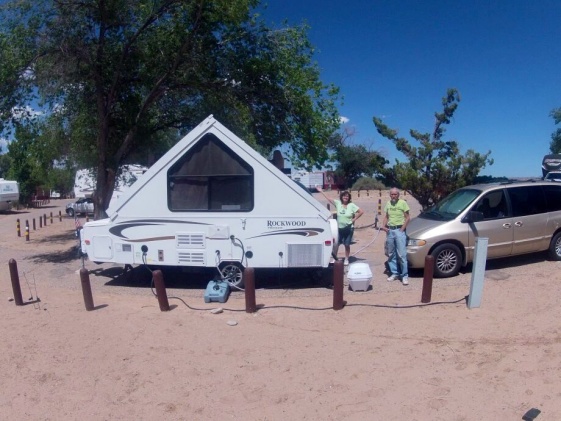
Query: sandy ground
[[385, 356]]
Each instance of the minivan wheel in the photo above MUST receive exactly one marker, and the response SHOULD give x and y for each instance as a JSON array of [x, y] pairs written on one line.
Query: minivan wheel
[[555, 247], [447, 260], [70, 212]]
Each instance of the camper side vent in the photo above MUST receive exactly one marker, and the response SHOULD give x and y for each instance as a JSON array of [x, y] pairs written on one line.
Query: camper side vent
[[194, 258], [305, 255], [190, 240]]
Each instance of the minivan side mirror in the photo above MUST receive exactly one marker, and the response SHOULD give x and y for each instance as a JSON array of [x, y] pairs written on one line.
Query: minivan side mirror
[[473, 216]]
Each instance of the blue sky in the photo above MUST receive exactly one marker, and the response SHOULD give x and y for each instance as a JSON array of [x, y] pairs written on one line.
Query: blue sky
[[396, 59]]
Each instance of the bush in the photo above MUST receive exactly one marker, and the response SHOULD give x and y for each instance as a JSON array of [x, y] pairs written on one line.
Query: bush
[[368, 183]]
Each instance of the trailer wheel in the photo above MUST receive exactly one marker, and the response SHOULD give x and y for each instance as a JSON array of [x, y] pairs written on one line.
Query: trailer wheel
[[233, 273]]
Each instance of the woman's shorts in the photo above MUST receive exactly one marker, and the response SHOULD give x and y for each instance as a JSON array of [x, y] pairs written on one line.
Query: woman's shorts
[[346, 235]]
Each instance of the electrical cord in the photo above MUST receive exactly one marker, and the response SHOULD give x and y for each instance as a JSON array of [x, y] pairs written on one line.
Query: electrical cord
[[330, 308]]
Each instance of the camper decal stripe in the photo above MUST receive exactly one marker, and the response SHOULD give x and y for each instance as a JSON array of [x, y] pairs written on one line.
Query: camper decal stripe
[[118, 229], [140, 240], [310, 232]]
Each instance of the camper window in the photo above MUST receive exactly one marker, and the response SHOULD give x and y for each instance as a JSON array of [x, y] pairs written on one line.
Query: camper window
[[210, 177]]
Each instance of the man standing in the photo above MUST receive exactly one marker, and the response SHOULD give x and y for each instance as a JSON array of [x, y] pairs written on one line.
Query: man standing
[[396, 218]]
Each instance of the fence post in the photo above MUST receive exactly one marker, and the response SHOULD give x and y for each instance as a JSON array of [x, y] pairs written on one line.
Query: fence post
[[249, 282], [18, 228], [26, 230], [161, 290], [86, 289], [16, 288], [427, 279], [338, 284]]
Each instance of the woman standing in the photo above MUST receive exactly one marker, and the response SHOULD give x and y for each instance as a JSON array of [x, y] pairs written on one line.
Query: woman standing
[[347, 214]]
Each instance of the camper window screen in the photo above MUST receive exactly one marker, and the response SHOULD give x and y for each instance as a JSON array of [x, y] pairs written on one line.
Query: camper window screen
[[210, 177]]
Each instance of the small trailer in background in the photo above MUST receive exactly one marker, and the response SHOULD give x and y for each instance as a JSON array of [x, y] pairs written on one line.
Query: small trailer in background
[[9, 193], [551, 162], [310, 180], [213, 201]]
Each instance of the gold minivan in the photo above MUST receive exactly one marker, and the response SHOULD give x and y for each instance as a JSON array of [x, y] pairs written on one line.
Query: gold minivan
[[516, 217]]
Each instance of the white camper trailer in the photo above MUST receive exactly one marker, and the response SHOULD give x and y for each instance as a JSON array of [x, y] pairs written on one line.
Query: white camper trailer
[[9, 192], [212, 201]]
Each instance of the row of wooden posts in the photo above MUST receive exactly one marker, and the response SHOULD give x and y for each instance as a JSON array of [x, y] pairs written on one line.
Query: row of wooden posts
[[42, 222], [249, 281]]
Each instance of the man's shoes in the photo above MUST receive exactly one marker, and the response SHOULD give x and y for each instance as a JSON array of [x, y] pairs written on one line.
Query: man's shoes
[[405, 280], [392, 278], [346, 262]]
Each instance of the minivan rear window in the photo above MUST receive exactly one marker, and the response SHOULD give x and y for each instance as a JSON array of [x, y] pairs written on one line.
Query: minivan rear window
[[527, 200]]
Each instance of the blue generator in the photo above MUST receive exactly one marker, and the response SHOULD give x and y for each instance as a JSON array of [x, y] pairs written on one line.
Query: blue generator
[[217, 290]]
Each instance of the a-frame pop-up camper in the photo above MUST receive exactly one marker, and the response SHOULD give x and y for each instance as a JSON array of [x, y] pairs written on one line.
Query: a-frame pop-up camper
[[212, 201]]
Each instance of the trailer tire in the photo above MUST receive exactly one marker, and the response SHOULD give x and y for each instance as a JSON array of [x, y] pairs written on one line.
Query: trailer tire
[[232, 272]]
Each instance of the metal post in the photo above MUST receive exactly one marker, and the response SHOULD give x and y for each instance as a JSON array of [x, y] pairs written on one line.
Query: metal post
[[249, 282], [18, 228], [478, 272], [60, 216], [26, 230], [34, 226], [86, 289], [161, 290], [338, 284], [51, 217], [40, 222], [427, 279], [45, 219]]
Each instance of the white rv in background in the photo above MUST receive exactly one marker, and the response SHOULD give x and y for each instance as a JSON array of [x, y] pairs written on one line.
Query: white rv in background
[[9, 193], [84, 181], [212, 201]]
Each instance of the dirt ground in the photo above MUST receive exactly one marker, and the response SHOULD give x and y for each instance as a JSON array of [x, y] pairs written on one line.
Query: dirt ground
[[384, 356]]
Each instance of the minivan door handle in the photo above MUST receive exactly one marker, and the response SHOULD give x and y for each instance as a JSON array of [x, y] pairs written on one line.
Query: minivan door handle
[[507, 225], [518, 223]]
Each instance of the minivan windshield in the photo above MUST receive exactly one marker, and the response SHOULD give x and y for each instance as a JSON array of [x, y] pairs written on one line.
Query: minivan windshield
[[452, 205]]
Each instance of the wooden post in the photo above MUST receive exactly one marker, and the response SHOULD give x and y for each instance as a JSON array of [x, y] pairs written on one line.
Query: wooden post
[[338, 284], [16, 288], [86, 289], [161, 290]]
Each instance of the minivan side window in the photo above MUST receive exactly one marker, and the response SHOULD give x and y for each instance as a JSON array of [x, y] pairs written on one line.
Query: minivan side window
[[492, 205], [528, 200], [553, 197]]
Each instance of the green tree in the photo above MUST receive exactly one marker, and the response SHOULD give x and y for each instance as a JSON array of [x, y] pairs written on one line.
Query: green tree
[[555, 145], [4, 165], [436, 167], [354, 161], [23, 168], [126, 75]]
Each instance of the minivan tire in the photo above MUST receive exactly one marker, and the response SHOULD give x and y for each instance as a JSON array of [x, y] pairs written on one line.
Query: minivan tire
[[447, 260], [555, 247]]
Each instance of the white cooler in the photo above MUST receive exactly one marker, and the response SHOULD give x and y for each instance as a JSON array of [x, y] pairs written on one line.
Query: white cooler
[[359, 276]]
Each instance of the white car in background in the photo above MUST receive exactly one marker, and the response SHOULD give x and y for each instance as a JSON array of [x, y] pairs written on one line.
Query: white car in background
[[553, 176], [82, 206]]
